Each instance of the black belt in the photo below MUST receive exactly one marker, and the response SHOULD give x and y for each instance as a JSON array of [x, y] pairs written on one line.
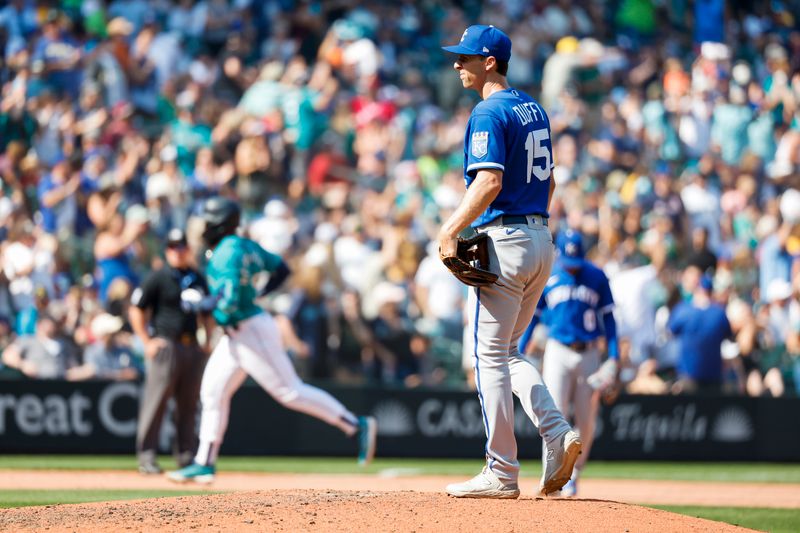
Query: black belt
[[187, 339], [577, 346], [506, 220]]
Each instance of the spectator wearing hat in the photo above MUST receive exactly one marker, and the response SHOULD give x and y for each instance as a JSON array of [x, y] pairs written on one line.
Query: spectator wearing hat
[[109, 356], [700, 327], [174, 299], [393, 337]]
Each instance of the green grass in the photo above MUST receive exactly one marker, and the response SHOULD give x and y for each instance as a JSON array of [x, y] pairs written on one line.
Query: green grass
[[722, 472], [772, 520], [25, 498]]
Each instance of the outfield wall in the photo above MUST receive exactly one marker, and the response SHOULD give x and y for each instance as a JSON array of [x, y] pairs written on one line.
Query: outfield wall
[[100, 417]]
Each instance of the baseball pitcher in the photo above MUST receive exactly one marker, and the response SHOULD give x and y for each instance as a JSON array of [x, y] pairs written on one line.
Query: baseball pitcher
[[238, 272], [577, 306], [507, 165]]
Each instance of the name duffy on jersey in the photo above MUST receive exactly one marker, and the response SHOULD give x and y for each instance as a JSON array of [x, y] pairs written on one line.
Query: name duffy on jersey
[[528, 112]]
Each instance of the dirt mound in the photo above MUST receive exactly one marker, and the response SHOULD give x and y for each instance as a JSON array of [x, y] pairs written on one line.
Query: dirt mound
[[335, 510], [635, 491]]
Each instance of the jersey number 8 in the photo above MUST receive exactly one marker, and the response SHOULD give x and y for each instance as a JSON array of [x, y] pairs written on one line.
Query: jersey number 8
[[535, 150]]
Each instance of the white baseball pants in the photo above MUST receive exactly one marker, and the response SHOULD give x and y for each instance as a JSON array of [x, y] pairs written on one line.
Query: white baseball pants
[[255, 348]]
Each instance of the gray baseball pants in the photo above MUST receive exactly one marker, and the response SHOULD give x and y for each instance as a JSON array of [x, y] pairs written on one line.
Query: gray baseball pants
[[522, 255], [175, 371], [565, 372]]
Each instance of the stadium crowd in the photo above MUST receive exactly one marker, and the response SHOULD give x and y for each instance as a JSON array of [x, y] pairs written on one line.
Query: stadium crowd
[[339, 128]]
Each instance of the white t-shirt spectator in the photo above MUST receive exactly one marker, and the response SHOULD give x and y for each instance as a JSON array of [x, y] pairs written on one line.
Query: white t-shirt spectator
[[635, 310], [445, 293]]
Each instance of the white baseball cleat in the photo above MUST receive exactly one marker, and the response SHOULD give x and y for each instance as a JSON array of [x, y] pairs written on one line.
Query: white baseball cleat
[[570, 490], [560, 461], [484, 485]]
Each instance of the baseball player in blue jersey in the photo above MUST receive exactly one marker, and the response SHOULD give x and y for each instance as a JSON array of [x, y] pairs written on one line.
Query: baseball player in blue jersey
[[577, 306], [507, 166], [238, 272]]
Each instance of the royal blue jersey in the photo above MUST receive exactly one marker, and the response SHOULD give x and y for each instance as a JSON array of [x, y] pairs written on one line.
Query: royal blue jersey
[[572, 305], [510, 131], [700, 332]]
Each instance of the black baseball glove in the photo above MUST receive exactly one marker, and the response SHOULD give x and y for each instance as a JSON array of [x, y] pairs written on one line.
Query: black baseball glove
[[471, 264]]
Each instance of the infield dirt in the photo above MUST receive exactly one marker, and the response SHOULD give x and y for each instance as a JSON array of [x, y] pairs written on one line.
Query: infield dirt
[[340, 511]]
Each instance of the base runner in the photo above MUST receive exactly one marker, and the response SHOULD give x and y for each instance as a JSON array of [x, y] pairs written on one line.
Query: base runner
[[238, 272]]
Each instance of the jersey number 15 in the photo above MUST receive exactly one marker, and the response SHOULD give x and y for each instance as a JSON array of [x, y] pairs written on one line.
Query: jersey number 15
[[536, 150]]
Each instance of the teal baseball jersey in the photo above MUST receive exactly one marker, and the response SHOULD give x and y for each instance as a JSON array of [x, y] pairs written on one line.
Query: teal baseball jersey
[[237, 272]]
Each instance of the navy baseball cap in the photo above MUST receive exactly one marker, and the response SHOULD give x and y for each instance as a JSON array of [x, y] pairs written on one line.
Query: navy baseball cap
[[483, 41], [570, 249]]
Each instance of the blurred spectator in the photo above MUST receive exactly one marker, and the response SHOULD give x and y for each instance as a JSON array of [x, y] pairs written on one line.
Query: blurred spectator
[[700, 327], [700, 255], [111, 249], [109, 356], [57, 201], [276, 229], [43, 355], [57, 55], [779, 318], [637, 293], [310, 319], [676, 137], [400, 353], [439, 296]]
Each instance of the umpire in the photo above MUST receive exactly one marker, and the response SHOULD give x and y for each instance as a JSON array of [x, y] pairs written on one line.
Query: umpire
[[175, 298]]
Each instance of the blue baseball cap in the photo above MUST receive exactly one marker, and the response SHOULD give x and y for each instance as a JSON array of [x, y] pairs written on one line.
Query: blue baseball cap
[[483, 41], [570, 249]]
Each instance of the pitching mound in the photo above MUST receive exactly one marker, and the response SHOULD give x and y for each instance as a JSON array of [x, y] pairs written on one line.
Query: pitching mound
[[308, 510]]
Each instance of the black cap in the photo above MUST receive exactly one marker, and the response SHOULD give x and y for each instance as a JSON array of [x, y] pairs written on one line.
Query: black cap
[[221, 216], [176, 237]]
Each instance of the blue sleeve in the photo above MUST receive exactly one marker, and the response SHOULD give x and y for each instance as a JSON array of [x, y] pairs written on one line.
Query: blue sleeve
[[606, 302], [486, 147], [677, 319], [38, 51], [610, 327], [45, 186]]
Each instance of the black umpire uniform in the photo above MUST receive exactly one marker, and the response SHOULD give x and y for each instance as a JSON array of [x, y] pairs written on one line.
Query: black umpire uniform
[[175, 295]]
